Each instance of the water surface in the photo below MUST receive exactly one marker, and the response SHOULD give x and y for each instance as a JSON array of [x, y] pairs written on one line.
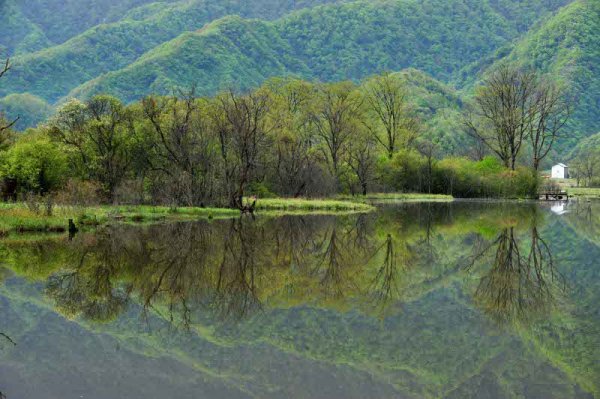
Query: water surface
[[432, 300]]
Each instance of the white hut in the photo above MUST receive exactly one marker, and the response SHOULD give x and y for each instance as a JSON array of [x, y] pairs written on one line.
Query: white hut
[[560, 171]]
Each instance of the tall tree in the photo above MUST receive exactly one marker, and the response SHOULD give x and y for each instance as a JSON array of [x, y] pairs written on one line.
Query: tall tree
[[294, 161], [335, 121], [182, 146], [504, 111], [387, 99], [361, 160], [243, 130], [549, 113]]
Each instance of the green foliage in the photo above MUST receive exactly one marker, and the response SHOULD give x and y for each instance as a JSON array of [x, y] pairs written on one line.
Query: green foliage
[[30, 110], [408, 171], [122, 38], [101, 138], [486, 178], [35, 163], [289, 138]]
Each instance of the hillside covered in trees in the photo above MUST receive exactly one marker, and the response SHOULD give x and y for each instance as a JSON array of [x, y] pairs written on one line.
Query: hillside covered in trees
[[133, 48]]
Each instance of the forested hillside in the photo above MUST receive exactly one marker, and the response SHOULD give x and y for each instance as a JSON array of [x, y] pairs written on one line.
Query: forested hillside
[[134, 48], [338, 42], [37, 24], [52, 72], [32, 25]]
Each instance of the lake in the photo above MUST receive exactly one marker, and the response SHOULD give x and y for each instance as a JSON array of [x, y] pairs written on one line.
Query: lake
[[415, 300]]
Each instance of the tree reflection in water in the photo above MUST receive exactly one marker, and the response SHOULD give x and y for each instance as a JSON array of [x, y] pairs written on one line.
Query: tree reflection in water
[[227, 268], [234, 269], [522, 282]]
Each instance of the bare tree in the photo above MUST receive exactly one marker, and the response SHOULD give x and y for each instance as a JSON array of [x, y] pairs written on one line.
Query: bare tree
[[586, 166], [504, 112], [361, 159], [243, 130], [387, 99], [428, 149], [3, 70], [182, 146], [550, 112]]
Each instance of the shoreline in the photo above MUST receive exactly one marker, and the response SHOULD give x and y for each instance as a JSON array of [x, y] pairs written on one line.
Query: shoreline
[[17, 218]]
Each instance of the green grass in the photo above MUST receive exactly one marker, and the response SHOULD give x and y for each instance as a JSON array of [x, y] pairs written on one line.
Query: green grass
[[311, 205], [398, 197], [18, 218], [584, 192]]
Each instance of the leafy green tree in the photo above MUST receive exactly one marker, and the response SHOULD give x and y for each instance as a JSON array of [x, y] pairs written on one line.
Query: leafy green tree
[[296, 169], [101, 134]]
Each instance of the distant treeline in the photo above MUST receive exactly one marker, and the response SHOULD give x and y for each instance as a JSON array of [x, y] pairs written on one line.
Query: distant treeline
[[288, 138]]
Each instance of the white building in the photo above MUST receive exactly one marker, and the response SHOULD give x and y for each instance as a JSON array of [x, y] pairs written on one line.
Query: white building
[[560, 171]]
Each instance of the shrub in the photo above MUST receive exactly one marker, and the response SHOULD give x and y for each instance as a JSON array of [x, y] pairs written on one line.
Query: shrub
[[36, 164], [79, 193], [409, 172]]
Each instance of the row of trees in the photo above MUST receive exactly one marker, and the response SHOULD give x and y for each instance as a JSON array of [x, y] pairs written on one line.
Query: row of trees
[[288, 138]]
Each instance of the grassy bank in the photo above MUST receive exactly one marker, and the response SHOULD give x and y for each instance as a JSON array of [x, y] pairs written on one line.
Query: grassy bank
[[584, 192], [19, 218], [312, 205], [405, 197]]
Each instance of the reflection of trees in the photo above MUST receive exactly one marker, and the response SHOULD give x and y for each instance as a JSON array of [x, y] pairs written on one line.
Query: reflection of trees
[[236, 287], [227, 269], [384, 287], [170, 268], [520, 283], [88, 289], [7, 338]]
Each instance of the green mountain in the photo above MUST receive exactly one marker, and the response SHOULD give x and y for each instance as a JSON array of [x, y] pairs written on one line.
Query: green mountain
[[37, 24], [142, 47], [30, 110], [334, 42], [439, 107], [585, 146], [52, 72], [567, 49]]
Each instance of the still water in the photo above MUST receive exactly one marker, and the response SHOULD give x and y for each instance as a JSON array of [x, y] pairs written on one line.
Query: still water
[[431, 300]]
